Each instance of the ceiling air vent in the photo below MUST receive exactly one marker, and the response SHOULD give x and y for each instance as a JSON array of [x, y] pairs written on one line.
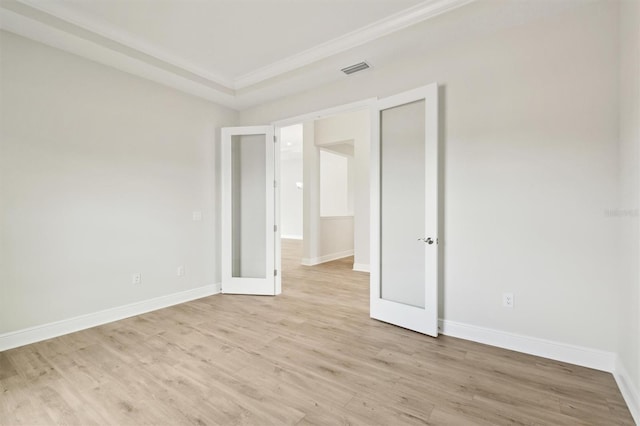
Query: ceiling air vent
[[361, 66]]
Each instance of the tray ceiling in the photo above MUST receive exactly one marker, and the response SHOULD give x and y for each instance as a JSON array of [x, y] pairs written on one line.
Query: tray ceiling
[[235, 52]]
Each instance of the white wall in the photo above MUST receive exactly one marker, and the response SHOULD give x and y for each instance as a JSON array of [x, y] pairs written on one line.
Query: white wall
[[291, 196], [324, 238], [529, 131], [311, 194], [336, 217], [291, 206], [100, 172], [626, 212], [334, 184], [353, 126], [336, 239]]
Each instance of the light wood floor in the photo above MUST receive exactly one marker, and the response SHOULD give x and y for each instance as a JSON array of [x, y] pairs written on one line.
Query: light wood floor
[[309, 356]]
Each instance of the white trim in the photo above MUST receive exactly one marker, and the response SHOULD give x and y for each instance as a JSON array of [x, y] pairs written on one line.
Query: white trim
[[564, 352], [578, 355], [396, 22], [109, 32], [326, 113], [291, 237], [166, 74], [47, 331], [326, 258], [277, 237], [322, 145], [71, 31], [341, 217], [361, 267], [629, 392]]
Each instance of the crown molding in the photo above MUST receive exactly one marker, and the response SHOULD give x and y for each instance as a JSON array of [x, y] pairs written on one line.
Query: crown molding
[[123, 38], [396, 22], [86, 47], [53, 24]]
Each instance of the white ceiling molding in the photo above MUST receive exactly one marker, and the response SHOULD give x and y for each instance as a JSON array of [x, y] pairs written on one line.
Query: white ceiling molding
[[69, 42], [53, 24], [421, 12], [57, 10]]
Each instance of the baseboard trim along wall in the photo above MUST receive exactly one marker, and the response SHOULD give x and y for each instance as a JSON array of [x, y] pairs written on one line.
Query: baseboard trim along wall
[[361, 267], [326, 258], [572, 354], [47, 331], [578, 355], [629, 392], [291, 237]]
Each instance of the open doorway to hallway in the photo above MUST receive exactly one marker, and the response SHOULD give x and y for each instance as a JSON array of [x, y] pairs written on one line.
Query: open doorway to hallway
[[291, 193], [324, 189], [291, 186]]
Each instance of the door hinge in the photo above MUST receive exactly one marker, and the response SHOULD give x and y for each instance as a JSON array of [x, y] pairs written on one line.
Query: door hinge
[[275, 272], [275, 184], [275, 140], [275, 228]]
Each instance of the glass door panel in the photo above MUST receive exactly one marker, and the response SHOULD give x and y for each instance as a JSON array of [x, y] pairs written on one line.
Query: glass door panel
[[248, 210], [402, 204]]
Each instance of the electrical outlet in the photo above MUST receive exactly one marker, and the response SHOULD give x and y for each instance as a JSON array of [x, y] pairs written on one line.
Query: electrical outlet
[[196, 216], [136, 278], [180, 271], [507, 300]]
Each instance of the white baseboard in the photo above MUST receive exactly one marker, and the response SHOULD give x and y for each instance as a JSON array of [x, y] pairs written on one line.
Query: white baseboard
[[291, 237], [47, 331], [326, 258], [578, 355], [629, 391], [361, 267]]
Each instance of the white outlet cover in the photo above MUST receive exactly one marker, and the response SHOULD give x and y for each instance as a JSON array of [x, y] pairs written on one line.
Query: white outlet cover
[[180, 271], [507, 300], [197, 216]]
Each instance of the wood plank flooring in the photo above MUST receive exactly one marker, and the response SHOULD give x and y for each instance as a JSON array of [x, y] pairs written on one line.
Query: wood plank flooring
[[311, 356]]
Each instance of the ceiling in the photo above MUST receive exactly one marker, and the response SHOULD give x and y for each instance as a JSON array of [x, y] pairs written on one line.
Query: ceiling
[[225, 38], [240, 53]]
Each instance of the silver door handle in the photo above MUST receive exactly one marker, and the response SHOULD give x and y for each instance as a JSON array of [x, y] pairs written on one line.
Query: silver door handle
[[427, 240]]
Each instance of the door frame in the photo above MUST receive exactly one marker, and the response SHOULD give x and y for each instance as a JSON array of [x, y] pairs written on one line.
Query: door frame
[[364, 104], [374, 183]]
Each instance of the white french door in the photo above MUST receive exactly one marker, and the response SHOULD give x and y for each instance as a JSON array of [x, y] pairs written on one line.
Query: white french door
[[248, 220], [404, 210]]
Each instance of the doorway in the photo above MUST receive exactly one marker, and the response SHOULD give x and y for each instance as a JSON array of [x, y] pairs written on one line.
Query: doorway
[[404, 195], [324, 187]]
